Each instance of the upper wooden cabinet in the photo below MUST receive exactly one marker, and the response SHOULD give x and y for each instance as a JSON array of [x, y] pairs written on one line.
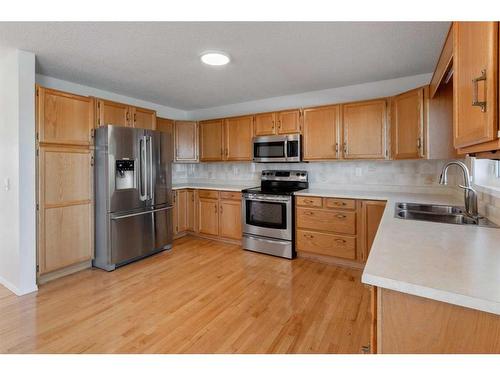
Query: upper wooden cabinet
[[64, 118], [186, 141], [444, 66], [284, 122], [407, 122], [212, 140], [238, 133], [321, 133], [114, 113], [265, 124], [364, 130], [475, 84], [167, 126], [143, 118]]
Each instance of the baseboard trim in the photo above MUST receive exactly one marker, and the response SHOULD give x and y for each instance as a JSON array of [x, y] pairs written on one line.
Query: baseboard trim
[[14, 289], [330, 260], [42, 279]]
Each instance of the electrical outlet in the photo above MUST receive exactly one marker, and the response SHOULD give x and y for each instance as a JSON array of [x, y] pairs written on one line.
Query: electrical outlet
[[358, 172]]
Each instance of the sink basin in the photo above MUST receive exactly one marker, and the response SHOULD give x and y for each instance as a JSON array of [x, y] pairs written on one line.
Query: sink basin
[[434, 208], [439, 214]]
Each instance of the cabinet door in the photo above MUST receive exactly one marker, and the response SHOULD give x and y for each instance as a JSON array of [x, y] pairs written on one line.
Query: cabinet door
[[407, 122], [186, 141], [372, 212], [208, 216], [475, 79], [64, 118], [364, 125], [321, 132], [238, 138], [112, 113], [265, 124], [191, 210], [230, 219], [182, 219], [66, 216], [144, 118], [167, 126], [175, 214], [289, 122], [211, 140]]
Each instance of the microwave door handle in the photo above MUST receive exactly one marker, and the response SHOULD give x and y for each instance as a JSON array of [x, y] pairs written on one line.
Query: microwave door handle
[[286, 148], [143, 181]]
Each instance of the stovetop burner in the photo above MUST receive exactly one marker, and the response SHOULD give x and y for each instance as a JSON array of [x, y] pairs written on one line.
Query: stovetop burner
[[280, 183]]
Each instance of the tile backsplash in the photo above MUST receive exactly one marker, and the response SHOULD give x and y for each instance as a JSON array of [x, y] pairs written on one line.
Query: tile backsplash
[[369, 174]]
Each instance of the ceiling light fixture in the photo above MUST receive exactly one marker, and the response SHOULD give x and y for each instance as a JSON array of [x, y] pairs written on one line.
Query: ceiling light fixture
[[215, 58]]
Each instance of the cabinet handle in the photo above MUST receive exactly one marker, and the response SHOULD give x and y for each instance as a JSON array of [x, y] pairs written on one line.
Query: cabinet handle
[[339, 203], [365, 349], [339, 240], [475, 100], [215, 208], [309, 213], [310, 236], [308, 201], [339, 216], [127, 116], [345, 148], [221, 209], [419, 143], [336, 147], [135, 118]]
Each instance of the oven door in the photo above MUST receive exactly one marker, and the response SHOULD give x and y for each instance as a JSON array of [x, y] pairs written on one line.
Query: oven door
[[268, 216]]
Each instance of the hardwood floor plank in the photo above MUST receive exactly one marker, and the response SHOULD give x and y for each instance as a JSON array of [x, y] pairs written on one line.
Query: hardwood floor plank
[[202, 297]]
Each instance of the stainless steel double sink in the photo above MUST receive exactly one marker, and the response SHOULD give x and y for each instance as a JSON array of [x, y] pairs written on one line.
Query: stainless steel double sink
[[439, 214]]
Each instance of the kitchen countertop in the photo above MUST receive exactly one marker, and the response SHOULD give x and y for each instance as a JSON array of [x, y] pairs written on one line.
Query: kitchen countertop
[[457, 264], [212, 186]]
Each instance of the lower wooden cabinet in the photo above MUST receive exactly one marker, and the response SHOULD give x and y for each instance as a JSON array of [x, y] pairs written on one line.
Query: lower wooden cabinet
[[209, 213], [337, 228]]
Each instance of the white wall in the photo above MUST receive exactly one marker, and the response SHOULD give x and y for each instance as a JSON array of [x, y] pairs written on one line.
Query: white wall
[[17, 172], [75, 88], [344, 94]]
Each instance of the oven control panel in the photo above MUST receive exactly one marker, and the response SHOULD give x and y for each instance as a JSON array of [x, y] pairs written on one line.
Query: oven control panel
[[273, 175]]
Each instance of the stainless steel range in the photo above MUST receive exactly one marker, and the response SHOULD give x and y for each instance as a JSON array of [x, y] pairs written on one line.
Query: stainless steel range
[[268, 213]]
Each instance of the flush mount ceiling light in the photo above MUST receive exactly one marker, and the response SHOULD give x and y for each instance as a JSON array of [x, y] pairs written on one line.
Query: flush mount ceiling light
[[215, 58]]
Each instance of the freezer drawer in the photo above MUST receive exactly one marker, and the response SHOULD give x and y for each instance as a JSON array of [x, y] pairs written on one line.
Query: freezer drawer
[[139, 234]]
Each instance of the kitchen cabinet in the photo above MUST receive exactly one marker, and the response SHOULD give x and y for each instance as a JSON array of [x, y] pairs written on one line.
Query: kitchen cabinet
[[407, 122], [289, 122], [230, 215], [410, 324], [337, 229], [238, 133], [64, 118], [182, 217], [475, 84], [65, 207], [444, 66], [191, 210], [113, 113], [167, 126], [321, 130], [208, 211], [371, 215], [364, 130], [212, 140], [186, 141], [143, 118], [273, 123], [265, 124]]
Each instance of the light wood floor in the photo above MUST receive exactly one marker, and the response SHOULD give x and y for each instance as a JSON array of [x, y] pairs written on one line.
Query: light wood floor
[[202, 297]]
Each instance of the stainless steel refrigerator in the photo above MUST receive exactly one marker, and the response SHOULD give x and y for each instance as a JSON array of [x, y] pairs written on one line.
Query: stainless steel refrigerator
[[133, 195]]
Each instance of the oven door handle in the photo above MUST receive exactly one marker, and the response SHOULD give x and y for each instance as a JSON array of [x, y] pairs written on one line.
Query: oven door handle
[[277, 200]]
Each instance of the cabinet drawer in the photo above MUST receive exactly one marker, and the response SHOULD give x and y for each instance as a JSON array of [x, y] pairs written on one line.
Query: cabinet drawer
[[326, 220], [232, 195], [347, 204], [326, 244], [214, 194], [310, 201]]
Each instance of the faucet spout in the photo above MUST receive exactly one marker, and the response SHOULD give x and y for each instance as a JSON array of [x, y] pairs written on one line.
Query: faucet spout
[[470, 196]]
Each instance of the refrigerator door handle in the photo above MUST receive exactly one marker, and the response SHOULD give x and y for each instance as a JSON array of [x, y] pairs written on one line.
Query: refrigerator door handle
[[141, 213], [150, 149], [142, 176]]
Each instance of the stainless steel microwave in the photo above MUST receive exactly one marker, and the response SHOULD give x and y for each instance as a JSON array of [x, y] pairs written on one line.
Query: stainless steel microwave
[[277, 149]]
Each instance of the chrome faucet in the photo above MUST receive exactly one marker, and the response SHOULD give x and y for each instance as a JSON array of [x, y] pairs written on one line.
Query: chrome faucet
[[470, 195]]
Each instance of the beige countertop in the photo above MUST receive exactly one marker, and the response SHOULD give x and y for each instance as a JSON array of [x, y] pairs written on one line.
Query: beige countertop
[[214, 186], [456, 264]]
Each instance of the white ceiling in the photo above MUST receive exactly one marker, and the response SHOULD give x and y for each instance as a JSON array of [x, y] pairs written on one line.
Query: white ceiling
[[159, 62]]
